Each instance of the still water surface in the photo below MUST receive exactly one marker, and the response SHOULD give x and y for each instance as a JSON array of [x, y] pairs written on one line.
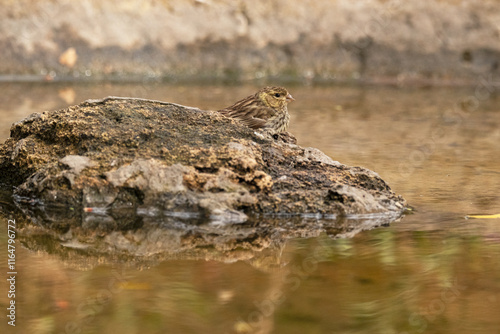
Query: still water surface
[[432, 272]]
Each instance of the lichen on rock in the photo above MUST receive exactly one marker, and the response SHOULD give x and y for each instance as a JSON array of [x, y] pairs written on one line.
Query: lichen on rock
[[136, 154]]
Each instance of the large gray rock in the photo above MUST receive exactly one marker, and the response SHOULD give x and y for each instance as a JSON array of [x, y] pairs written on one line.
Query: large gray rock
[[311, 40], [121, 155]]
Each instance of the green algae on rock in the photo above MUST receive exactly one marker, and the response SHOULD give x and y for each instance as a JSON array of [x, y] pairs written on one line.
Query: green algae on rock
[[131, 154]]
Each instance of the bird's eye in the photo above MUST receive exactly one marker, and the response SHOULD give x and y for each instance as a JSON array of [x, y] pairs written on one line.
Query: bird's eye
[[277, 95]]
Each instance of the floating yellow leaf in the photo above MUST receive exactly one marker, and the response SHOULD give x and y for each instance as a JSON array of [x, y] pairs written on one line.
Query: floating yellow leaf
[[483, 216], [134, 286]]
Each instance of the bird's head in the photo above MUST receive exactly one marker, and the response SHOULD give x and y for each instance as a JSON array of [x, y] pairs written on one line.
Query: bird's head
[[275, 97]]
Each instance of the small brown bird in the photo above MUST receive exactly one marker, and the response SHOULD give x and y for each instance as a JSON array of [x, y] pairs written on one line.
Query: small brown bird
[[265, 110]]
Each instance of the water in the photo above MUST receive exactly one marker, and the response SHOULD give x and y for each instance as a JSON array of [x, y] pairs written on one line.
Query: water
[[432, 272]]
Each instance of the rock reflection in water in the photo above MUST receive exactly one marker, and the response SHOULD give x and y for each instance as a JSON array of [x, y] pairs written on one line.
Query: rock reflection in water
[[147, 238]]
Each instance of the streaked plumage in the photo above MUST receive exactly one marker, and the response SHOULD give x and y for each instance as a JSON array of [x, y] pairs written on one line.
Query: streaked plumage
[[266, 109]]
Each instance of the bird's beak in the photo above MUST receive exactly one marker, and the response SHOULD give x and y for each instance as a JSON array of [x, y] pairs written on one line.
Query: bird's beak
[[289, 98]]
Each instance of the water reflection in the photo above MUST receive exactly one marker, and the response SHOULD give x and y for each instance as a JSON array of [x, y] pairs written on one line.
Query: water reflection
[[433, 272], [143, 239], [382, 280]]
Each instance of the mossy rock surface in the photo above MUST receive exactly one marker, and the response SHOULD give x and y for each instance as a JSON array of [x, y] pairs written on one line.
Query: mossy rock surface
[[130, 154]]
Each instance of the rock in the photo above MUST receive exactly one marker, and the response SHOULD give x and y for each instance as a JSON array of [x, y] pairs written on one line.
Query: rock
[[76, 163], [126, 155]]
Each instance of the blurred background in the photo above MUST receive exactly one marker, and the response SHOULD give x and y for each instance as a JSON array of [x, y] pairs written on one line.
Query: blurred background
[[216, 40], [409, 89]]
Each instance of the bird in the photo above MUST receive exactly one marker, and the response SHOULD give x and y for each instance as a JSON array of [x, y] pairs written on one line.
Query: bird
[[266, 110]]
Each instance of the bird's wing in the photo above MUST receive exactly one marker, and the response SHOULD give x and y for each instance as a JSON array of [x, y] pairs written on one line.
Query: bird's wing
[[253, 122], [253, 116]]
